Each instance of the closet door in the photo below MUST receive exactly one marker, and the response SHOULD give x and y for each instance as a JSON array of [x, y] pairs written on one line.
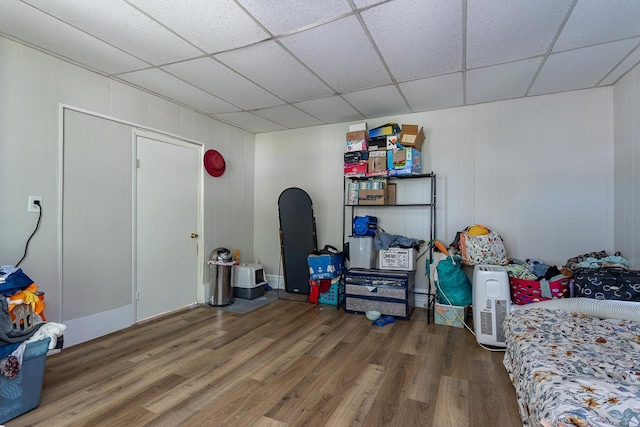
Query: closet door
[[166, 224]]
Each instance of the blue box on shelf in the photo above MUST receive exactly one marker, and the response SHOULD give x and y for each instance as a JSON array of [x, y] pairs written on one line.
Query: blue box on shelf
[[406, 161], [325, 266], [22, 393]]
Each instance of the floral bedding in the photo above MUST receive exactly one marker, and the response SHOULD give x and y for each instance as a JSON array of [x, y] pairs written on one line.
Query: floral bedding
[[570, 369]]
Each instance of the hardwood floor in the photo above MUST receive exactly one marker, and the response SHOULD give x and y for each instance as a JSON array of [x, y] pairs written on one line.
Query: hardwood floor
[[285, 364]]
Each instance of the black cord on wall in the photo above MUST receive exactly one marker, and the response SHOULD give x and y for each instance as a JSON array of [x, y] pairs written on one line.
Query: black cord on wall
[[26, 246]]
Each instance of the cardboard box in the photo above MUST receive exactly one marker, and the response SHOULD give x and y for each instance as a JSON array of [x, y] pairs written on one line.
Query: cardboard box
[[355, 169], [405, 161], [375, 144], [403, 259], [377, 163], [411, 137], [324, 266], [384, 130], [391, 194], [357, 145], [355, 135], [357, 141], [356, 156], [352, 194], [373, 197], [450, 315], [358, 126], [392, 142]]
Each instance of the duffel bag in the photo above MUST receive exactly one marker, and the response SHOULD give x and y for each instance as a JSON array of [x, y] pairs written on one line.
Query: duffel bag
[[607, 283]]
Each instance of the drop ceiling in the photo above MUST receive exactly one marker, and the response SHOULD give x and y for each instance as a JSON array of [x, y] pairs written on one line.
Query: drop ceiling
[[266, 65]]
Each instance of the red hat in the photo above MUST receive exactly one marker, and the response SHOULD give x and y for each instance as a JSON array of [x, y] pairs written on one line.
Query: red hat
[[214, 163]]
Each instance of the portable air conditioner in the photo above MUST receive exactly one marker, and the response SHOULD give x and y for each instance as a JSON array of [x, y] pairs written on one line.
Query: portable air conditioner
[[491, 303]]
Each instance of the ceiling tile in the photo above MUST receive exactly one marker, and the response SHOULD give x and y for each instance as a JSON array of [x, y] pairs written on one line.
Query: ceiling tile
[[288, 116], [434, 93], [159, 82], [193, 20], [213, 77], [332, 109], [378, 102], [580, 68], [119, 24], [597, 21], [250, 122], [631, 61], [273, 68], [502, 31], [284, 16], [341, 54], [433, 46], [499, 82], [35, 27]]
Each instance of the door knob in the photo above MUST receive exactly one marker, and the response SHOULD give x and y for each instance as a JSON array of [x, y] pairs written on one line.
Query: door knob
[[194, 235]]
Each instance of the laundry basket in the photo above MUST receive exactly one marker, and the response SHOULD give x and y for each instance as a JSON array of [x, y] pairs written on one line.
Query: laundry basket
[[22, 393]]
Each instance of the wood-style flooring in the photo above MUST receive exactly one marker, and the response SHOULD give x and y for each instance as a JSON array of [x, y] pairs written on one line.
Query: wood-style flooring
[[285, 364]]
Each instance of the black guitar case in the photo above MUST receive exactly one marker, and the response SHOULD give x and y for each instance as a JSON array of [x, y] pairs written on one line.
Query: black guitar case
[[297, 238]]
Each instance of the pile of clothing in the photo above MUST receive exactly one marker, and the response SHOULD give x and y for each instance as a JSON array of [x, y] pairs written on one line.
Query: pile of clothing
[[593, 260], [21, 319], [534, 269]]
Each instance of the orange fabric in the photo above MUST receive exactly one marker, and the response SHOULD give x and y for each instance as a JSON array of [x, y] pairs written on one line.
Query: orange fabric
[[29, 297]]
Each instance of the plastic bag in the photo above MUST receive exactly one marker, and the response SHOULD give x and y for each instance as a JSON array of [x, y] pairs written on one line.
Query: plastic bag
[[454, 287]]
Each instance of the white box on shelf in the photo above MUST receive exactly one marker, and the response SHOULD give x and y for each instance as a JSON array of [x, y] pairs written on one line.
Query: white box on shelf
[[397, 259]]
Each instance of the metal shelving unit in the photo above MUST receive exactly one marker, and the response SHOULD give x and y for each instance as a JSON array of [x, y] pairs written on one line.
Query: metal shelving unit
[[430, 205]]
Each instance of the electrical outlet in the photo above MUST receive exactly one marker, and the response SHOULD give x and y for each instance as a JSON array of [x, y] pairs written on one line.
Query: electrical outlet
[[32, 205]]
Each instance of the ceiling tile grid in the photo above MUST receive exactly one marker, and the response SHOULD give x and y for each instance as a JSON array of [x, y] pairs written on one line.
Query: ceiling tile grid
[[501, 31], [215, 78], [266, 66], [162, 83], [46, 32], [341, 54], [504, 81], [212, 29], [117, 23], [580, 68], [418, 38], [272, 67]]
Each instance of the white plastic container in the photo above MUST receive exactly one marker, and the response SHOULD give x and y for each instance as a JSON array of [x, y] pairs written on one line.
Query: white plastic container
[[361, 252]]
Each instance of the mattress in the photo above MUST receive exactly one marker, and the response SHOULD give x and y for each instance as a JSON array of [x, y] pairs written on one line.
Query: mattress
[[570, 369]]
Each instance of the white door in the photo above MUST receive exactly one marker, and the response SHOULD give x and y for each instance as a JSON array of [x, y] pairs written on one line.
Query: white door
[[167, 225]]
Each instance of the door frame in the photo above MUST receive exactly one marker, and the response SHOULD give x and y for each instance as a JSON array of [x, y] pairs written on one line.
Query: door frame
[[168, 139], [117, 325]]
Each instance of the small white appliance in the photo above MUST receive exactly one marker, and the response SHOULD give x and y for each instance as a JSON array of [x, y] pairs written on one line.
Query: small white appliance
[[491, 303]]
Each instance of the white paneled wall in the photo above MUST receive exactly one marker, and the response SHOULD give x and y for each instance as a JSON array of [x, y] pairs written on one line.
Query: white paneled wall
[[536, 170], [33, 85], [626, 167]]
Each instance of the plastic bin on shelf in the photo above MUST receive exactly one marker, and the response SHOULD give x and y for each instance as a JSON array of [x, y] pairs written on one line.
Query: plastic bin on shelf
[[22, 393]]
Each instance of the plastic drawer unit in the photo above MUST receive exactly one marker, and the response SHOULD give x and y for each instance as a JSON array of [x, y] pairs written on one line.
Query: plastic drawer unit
[[389, 292]]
